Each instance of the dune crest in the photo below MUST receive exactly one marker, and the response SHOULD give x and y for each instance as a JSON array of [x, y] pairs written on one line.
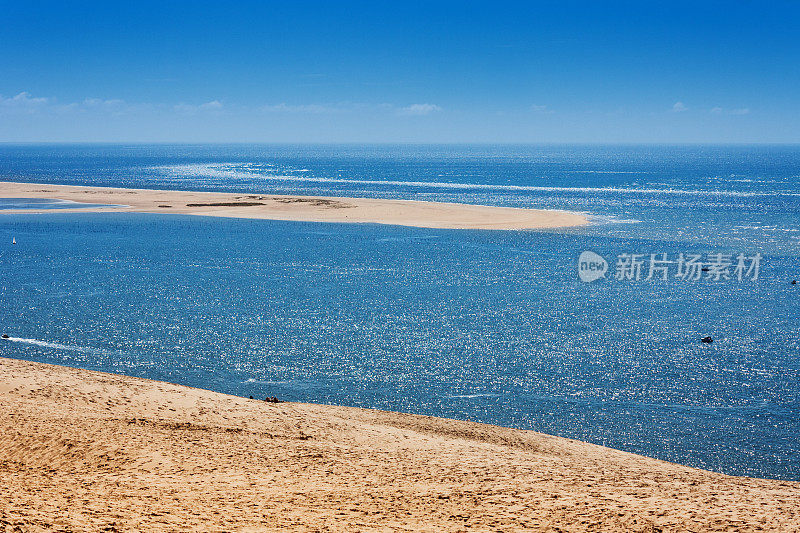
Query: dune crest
[[89, 451]]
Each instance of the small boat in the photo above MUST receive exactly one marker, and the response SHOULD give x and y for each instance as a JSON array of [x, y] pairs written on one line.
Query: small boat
[[5, 336], [13, 240]]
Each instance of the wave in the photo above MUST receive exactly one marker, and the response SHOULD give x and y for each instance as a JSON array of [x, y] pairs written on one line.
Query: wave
[[611, 219], [410, 238], [57, 346], [477, 395], [607, 172], [770, 228], [219, 171]]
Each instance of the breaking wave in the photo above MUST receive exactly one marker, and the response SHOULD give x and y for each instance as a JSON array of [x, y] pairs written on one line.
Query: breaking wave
[[225, 171]]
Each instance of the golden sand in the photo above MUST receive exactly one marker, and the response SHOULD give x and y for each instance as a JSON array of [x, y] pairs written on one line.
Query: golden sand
[[88, 451], [299, 208]]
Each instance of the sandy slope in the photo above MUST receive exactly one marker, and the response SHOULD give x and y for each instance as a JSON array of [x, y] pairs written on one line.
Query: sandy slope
[[89, 451], [299, 208]]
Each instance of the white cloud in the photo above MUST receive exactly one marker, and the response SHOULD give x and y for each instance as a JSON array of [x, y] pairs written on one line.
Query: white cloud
[[113, 106], [541, 109], [22, 103], [25, 98], [738, 111], [99, 102], [303, 108], [678, 107], [190, 109], [419, 109], [349, 107]]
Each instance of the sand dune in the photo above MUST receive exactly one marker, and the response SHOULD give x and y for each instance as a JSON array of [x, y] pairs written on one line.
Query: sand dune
[[87, 451], [299, 208]]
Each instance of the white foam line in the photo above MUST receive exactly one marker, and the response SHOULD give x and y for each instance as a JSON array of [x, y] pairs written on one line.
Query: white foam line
[[469, 396], [611, 219], [57, 346], [606, 172], [215, 171], [252, 380]]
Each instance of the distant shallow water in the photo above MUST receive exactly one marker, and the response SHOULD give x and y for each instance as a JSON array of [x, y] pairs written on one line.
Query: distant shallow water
[[46, 203], [488, 326], [699, 195]]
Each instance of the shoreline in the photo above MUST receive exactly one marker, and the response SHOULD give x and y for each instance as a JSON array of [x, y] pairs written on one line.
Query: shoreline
[[87, 450], [414, 213]]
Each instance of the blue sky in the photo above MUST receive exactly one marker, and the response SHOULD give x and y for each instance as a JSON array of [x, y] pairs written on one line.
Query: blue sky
[[400, 72]]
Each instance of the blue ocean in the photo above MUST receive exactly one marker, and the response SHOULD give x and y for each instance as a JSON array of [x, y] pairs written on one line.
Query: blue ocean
[[490, 326]]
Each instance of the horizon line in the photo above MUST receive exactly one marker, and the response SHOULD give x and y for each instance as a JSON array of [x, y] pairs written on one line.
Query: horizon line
[[412, 143]]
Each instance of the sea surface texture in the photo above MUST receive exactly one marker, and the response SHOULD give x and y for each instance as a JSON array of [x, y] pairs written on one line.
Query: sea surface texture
[[488, 326]]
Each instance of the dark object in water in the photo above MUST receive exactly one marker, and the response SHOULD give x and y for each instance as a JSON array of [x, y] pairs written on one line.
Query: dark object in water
[[794, 282], [251, 397], [272, 399], [5, 336], [707, 340]]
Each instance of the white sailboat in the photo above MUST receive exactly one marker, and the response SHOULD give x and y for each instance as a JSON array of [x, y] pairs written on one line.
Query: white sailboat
[[13, 240]]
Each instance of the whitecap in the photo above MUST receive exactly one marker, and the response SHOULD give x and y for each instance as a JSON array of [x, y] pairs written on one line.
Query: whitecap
[[224, 171], [67, 347], [476, 395]]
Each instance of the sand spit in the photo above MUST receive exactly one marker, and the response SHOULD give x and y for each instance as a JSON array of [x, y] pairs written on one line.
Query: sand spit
[[298, 208], [88, 451]]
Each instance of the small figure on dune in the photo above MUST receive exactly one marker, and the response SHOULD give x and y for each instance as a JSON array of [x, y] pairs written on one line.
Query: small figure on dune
[[272, 399]]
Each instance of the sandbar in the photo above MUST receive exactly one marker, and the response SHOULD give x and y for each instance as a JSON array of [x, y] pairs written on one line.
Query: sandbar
[[296, 208]]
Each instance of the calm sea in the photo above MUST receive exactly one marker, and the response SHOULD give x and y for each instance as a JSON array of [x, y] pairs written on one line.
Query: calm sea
[[488, 326]]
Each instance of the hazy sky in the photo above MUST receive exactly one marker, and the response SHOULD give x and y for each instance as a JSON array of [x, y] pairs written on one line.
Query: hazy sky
[[400, 72]]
